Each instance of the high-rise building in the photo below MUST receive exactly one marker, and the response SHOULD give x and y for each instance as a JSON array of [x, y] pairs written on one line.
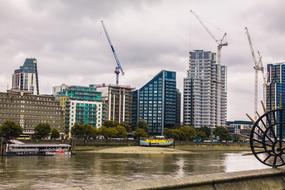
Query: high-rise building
[[81, 105], [201, 93], [275, 95], [156, 102], [178, 107], [117, 103], [29, 110], [57, 89], [26, 77]]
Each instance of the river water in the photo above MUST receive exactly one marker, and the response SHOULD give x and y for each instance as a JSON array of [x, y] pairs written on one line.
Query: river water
[[87, 169]]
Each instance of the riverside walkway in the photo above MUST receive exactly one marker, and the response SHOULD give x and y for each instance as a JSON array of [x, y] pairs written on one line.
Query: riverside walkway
[[265, 179]]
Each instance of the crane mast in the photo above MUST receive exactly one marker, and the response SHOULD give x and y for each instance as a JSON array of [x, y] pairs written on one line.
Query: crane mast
[[258, 66], [118, 68], [220, 45]]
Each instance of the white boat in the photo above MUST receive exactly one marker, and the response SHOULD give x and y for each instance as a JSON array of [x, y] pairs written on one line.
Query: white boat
[[37, 149]]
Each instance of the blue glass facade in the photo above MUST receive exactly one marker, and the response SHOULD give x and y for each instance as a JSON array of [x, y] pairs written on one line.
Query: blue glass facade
[[156, 103], [275, 95]]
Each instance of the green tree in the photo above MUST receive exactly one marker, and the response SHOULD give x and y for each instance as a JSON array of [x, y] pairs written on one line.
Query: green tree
[[127, 126], [206, 131], [10, 130], [108, 132], [140, 132], [110, 124], [222, 133], [142, 124], [121, 131], [172, 133], [201, 134], [82, 131], [95, 133], [187, 133], [54, 134], [42, 130]]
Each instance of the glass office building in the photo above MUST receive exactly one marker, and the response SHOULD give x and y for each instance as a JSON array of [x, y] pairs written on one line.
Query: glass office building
[[156, 103], [275, 90], [26, 77]]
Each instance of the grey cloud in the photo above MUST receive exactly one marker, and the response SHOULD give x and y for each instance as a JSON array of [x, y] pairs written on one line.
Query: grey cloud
[[67, 39]]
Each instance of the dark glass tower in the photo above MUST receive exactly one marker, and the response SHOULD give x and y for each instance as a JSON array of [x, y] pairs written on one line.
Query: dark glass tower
[[275, 94], [156, 103], [275, 90], [26, 77]]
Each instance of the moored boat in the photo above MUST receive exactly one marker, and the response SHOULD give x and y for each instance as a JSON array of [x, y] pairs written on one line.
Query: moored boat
[[160, 142], [37, 149]]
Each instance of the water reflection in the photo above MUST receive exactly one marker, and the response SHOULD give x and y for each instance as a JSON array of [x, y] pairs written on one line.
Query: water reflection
[[90, 168], [236, 162]]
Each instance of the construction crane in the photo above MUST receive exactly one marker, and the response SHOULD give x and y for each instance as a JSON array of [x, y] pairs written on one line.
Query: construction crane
[[220, 44], [258, 67], [118, 68]]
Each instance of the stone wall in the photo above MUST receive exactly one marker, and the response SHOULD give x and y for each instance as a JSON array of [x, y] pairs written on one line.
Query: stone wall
[[265, 179]]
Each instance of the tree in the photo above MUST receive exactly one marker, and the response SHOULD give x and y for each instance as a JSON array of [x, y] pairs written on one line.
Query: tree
[[54, 134], [140, 132], [42, 130], [10, 130], [206, 131], [95, 133], [222, 133], [121, 131], [188, 133], [108, 132], [142, 124], [110, 124], [201, 134], [82, 131], [173, 133], [127, 126]]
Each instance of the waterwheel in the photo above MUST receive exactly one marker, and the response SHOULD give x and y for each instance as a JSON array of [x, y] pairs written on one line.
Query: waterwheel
[[266, 138]]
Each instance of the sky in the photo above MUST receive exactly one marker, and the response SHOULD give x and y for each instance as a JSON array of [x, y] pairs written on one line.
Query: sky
[[67, 39]]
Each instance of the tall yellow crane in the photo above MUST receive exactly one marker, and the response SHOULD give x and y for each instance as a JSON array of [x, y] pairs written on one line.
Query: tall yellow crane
[[258, 67], [220, 44]]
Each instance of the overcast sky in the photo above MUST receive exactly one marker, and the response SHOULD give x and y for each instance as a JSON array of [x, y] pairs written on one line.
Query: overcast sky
[[149, 35]]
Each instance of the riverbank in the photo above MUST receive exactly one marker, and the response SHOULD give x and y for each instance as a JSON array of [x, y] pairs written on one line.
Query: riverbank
[[179, 149], [138, 150]]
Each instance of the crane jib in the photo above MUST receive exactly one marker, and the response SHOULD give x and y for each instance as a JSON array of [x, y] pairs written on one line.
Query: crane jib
[[113, 50]]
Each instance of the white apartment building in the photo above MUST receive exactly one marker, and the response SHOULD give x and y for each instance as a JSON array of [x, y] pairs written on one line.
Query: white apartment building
[[77, 113], [200, 94]]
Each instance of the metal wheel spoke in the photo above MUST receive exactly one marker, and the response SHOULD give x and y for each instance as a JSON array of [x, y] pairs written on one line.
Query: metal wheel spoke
[[269, 155], [262, 152], [274, 161], [263, 123], [269, 138], [281, 159], [257, 141], [257, 134], [262, 142]]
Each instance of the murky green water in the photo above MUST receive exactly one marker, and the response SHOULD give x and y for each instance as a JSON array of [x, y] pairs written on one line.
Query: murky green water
[[85, 169]]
